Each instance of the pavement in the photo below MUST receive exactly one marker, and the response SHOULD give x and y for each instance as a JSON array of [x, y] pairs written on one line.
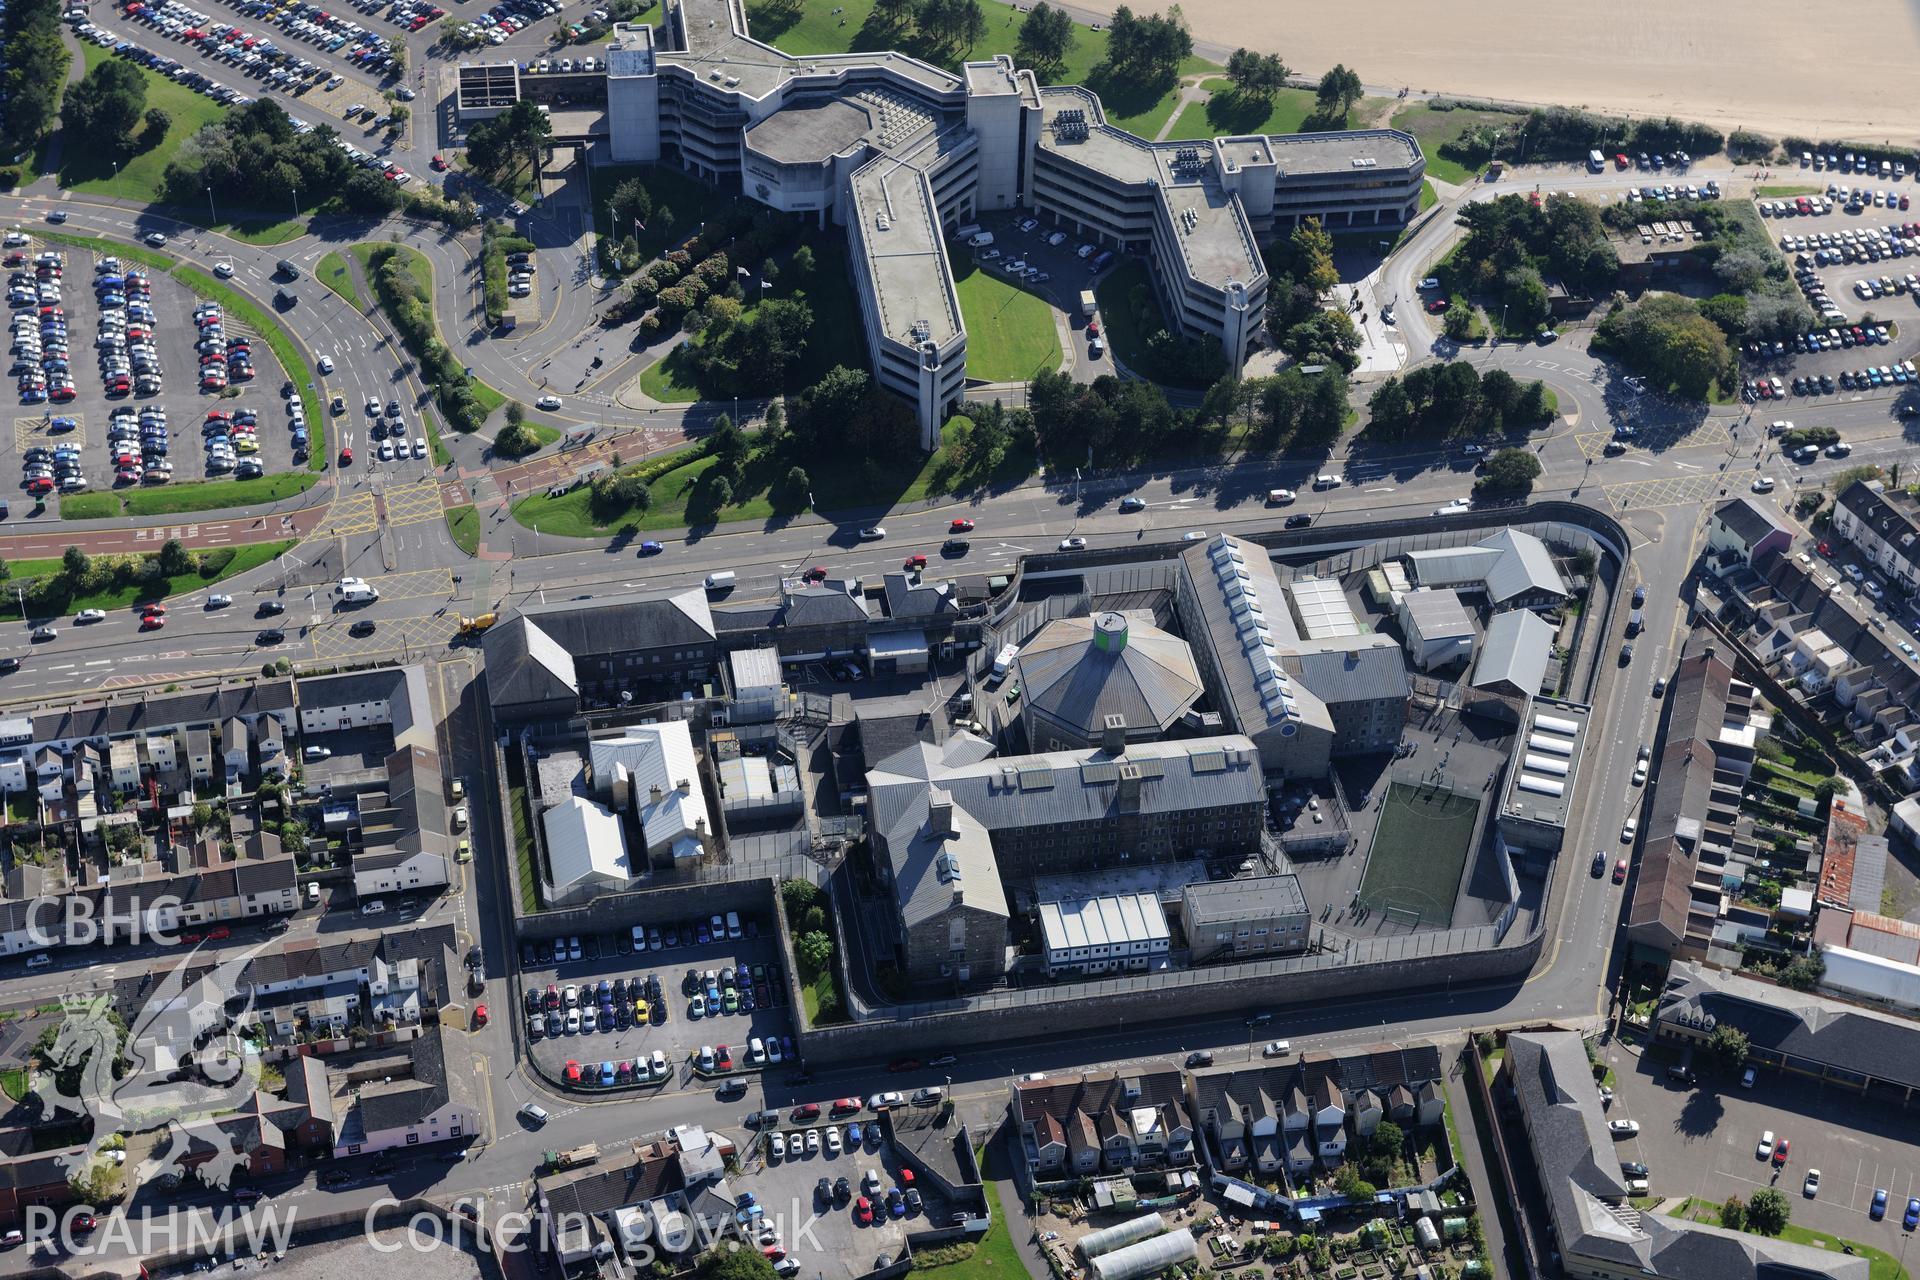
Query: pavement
[[386, 524]]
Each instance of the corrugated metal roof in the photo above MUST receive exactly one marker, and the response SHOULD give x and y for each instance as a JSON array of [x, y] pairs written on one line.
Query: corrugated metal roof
[[1516, 651], [583, 840], [1322, 608], [1104, 921]]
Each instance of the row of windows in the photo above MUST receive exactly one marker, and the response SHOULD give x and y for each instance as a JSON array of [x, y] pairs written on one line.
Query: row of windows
[[1230, 935]]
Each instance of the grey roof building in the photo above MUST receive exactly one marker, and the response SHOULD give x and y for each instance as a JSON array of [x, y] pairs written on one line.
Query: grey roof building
[[1599, 1232], [1512, 567], [1302, 699], [1252, 917], [950, 823], [1706, 756], [1745, 530], [544, 661], [1515, 654], [1435, 628], [1076, 672]]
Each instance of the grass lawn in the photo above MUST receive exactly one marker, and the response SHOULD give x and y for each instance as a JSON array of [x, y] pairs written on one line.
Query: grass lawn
[[89, 506], [1419, 852], [571, 515], [334, 273], [13, 1082], [213, 567], [244, 312], [436, 447], [1125, 334], [838, 26], [1788, 189], [125, 252], [1428, 196], [263, 231], [524, 853], [1288, 111], [995, 1258], [463, 522], [422, 272], [192, 495], [836, 337], [1010, 333], [1434, 128], [139, 178]]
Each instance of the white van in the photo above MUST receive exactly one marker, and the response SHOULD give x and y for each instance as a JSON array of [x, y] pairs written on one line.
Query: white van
[[1327, 482], [721, 580], [980, 239]]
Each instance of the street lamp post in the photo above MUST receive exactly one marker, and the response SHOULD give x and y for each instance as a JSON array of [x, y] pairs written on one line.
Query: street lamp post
[[210, 211]]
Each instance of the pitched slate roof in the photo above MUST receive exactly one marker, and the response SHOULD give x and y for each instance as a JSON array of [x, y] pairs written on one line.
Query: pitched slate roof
[[1586, 1195], [1515, 653], [407, 1102], [525, 665], [1749, 520], [199, 708], [1230, 1093], [1078, 671], [652, 1170]]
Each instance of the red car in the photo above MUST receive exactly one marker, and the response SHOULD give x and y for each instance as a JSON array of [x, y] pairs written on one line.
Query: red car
[[573, 1072], [915, 562], [219, 933], [960, 526], [83, 1222], [1620, 871], [816, 574], [1439, 305], [346, 456], [1780, 1152], [846, 1106], [806, 1111], [1093, 328], [152, 622], [723, 1058], [904, 1064], [192, 939], [863, 1210], [437, 163], [479, 1015]]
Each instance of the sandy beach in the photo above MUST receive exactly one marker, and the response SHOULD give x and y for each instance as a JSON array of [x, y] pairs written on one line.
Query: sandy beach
[[1776, 66]]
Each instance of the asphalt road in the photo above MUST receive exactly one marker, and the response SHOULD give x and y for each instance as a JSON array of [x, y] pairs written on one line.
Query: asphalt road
[[1661, 493]]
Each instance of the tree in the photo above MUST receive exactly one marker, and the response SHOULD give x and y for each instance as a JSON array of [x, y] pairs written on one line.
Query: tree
[[1459, 323], [798, 485], [814, 951], [516, 413], [801, 263], [1147, 50], [1729, 1047], [1327, 336], [1803, 973], [719, 490], [174, 559], [1827, 788], [797, 895], [1665, 337], [97, 1184], [734, 1264], [1256, 75], [154, 126], [1046, 38], [1768, 1212], [1388, 1140], [894, 15], [1312, 256], [1510, 472], [77, 565], [1390, 409], [1740, 270], [726, 443], [631, 204], [202, 815], [102, 110], [1350, 1184], [1339, 90], [1524, 298], [1733, 1214]]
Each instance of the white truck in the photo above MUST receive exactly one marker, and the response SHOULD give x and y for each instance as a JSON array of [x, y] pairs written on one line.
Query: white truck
[[1003, 661], [358, 591], [1087, 304]]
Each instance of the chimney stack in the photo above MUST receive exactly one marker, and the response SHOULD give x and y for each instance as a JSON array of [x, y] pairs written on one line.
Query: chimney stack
[[1129, 788], [1113, 734], [940, 812], [655, 794], [685, 787]]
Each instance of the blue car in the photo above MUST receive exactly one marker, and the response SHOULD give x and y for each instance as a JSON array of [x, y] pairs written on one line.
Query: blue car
[[1913, 1215], [853, 1136], [62, 424], [606, 1075], [1878, 1209], [651, 548]]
